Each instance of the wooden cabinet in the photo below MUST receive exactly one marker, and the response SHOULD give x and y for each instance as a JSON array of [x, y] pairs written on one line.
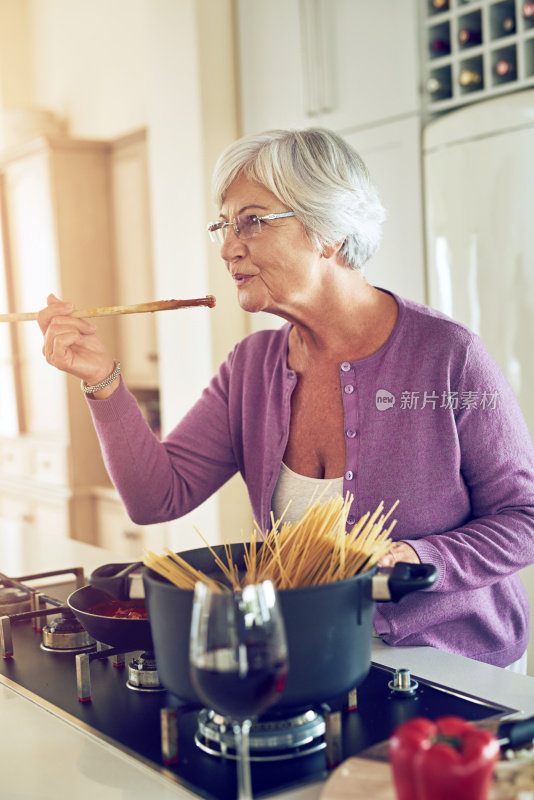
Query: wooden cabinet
[[57, 236], [335, 63], [136, 335]]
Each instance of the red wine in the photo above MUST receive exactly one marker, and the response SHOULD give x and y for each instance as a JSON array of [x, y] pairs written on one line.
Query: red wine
[[237, 696], [440, 46]]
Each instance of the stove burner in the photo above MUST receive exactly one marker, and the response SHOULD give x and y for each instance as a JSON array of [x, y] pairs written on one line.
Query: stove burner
[[143, 675], [270, 740], [13, 600], [65, 634]]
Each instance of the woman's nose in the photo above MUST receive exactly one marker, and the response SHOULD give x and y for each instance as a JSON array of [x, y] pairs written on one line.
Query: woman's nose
[[232, 247]]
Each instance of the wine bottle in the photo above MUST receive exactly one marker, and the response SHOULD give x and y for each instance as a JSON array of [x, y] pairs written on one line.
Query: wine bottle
[[440, 46], [468, 37], [505, 68], [469, 78], [528, 9], [436, 87], [507, 26]]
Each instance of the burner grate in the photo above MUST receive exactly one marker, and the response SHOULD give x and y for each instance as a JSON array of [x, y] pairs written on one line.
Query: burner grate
[[32, 604], [13, 599], [270, 740]]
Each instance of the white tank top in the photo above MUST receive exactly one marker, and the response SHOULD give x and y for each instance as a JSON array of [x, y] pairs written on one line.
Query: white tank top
[[299, 489]]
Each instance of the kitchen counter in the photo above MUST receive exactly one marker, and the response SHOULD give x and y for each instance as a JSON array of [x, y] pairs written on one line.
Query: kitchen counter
[[44, 756]]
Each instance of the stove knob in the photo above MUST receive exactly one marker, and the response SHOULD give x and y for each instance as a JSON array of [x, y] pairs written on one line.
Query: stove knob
[[402, 683]]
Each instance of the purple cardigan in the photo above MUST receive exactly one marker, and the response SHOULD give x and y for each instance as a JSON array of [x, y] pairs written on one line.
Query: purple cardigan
[[429, 419]]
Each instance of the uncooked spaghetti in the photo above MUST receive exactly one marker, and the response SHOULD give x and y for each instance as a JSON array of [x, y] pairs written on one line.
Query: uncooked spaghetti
[[314, 550]]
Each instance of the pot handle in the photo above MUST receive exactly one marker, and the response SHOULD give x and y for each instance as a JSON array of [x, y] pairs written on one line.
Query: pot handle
[[118, 580], [392, 583]]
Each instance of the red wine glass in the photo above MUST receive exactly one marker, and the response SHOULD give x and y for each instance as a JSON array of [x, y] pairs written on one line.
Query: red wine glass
[[238, 659]]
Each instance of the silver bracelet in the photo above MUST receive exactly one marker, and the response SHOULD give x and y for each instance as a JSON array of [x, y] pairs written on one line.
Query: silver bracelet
[[102, 385]]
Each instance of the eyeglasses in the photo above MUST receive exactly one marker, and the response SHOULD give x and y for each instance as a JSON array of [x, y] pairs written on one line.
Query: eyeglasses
[[245, 226]]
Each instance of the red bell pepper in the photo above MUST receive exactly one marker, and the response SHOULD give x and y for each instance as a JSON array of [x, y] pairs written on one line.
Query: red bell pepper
[[449, 759]]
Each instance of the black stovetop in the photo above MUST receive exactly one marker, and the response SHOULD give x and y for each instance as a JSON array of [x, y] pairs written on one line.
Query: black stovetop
[[130, 720]]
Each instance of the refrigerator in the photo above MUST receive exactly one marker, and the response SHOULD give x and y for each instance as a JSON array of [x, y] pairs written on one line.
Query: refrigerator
[[479, 200]]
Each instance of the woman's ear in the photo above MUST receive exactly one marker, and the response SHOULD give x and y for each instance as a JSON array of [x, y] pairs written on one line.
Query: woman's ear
[[329, 250]]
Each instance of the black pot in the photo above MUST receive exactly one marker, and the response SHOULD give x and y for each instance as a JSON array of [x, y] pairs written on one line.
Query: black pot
[[328, 628]]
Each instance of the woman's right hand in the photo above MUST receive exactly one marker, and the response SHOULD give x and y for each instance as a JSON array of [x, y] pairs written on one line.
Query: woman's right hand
[[72, 344]]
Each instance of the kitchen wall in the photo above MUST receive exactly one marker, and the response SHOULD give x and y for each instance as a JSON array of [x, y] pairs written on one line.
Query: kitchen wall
[[16, 56], [89, 62]]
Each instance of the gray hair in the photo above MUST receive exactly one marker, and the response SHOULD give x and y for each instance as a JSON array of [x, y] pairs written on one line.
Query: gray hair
[[317, 174]]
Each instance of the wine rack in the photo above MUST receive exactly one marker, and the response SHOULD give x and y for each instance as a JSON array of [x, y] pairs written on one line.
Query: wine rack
[[475, 49]]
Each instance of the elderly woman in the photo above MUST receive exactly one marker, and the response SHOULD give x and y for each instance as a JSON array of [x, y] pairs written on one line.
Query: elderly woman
[[361, 391]]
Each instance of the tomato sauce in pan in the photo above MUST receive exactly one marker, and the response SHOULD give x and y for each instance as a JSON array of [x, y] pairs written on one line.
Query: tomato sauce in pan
[[125, 609]]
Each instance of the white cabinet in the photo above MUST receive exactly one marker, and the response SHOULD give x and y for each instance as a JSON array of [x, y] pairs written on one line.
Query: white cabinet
[[271, 71], [58, 239], [392, 153], [136, 334], [33, 267], [335, 63], [45, 510], [9, 423], [374, 61], [118, 533], [56, 229], [351, 66], [44, 461], [74, 221]]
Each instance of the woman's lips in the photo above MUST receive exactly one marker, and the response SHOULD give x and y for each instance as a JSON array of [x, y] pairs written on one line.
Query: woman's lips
[[240, 279]]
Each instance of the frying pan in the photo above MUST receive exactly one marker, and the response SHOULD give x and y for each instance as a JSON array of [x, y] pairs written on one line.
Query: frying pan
[[128, 634], [123, 581]]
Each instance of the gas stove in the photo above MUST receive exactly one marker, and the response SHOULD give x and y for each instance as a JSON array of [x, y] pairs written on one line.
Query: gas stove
[[117, 697]]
